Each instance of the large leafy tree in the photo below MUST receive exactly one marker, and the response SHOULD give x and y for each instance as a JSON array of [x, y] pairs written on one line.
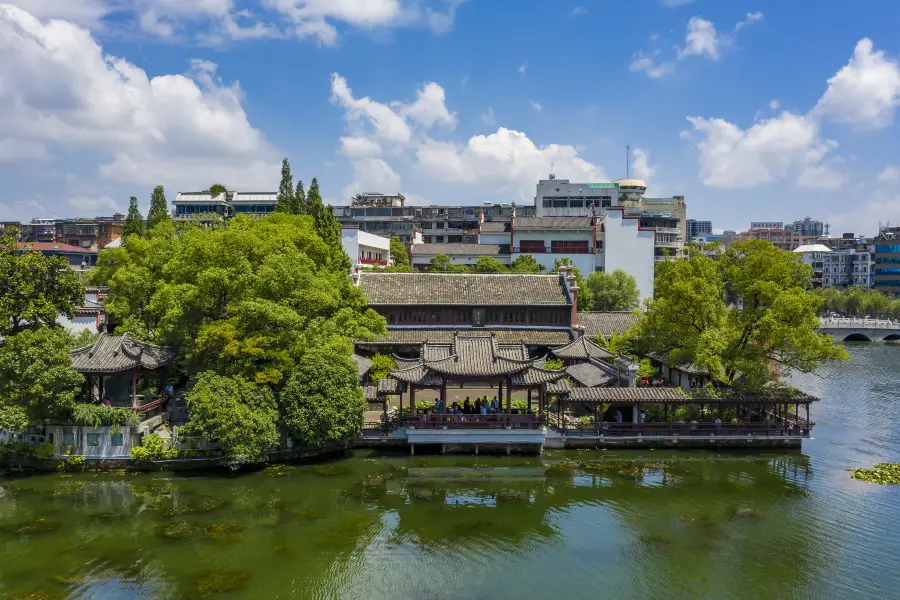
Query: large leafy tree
[[238, 415], [217, 189], [526, 264], [616, 291], [285, 189], [441, 263], [399, 256], [489, 264], [159, 208], [34, 289], [771, 327], [37, 382], [134, 222], [322, 402]]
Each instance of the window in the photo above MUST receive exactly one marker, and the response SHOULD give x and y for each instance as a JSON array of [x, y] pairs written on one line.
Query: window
[[532, 246], [92, 440], [571, 247], [68, 439], [116, 439]]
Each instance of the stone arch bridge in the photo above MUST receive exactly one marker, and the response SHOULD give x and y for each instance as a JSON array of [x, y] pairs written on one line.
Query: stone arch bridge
[[850, 329]]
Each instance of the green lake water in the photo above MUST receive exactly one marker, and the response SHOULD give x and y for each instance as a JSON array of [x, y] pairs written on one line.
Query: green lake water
[[622, 525]]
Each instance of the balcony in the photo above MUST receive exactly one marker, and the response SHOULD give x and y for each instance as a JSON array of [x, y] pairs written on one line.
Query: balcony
[[673, 230], [372, 261], [669, 244]]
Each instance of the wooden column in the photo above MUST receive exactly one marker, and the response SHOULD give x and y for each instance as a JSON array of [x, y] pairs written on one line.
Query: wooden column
[[134, 376], [412, 399], [443, 394], [500, 396], [529, 400], [100, 389], [542, 394], [508, 396]]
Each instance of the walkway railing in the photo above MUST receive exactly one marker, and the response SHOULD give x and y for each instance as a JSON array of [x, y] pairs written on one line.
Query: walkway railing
[[686, 429], [447, 421]]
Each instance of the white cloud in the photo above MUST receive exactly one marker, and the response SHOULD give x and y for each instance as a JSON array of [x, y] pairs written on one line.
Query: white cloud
[[430, 109], [488, 117], [372, 175], [750, 19], [537, 106], [12, 150], [522, 68], [731, 157], [677, 2], [63, 91], [359, 147], [880, 207], [701, 39], [95, 204], [890, 173], [387, 124], [774, 104], [578, 11], [864, 92], [640, 166]]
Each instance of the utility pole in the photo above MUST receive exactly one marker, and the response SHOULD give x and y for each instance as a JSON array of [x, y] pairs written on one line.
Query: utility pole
[[628, 161]]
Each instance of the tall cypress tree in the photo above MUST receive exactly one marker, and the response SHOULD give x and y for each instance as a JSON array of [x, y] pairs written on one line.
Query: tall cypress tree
[[134, 222], [286, 189], [299, 206], [159, 208], [327, 226]]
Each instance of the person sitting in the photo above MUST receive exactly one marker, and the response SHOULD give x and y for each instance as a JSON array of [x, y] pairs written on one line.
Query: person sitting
[[477, 406], [484, 409], [467, 407]]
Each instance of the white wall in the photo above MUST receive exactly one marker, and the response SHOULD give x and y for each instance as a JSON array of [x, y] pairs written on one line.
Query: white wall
[[629, 248], [355, 241], [105, 449]]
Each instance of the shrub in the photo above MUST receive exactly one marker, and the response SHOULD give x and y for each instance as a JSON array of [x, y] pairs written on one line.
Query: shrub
[[153, 447], [43, 450], [98, 415]]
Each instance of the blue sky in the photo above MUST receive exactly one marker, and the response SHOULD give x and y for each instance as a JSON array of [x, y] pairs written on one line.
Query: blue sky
[[753, 110]]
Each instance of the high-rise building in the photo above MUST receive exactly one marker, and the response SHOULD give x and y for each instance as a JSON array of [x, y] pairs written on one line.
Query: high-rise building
[[696, 228], [887, 260], [808, 227]]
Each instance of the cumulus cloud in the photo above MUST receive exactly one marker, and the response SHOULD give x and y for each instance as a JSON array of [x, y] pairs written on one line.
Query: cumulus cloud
[[640, 165], [217, 21], [864, 92], [880, 207], [578, 11], [62, 91], [701, 39], [731, 157], [890, 173], [95, 204], [359, 147], [505, 160]]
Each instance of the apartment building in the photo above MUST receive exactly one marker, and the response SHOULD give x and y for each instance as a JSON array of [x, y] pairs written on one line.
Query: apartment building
[[887, 260], [204, 207], [698, 228], [786, 239], [365, 249], [837, 268], [808, 227]]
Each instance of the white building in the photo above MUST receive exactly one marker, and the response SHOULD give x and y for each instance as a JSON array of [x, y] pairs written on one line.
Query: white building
[[628, 246], [814, 256], [366, 249], [562, 198], [847, 268]]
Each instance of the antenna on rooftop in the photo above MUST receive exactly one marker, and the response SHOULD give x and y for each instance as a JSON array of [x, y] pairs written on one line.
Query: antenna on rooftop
[[628, 161]]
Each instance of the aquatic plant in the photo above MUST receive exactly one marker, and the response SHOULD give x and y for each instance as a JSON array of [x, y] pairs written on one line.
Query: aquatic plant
[[185, 530], [882, 473], [218, 581], [331, 470], [278, 470], [39, 525]]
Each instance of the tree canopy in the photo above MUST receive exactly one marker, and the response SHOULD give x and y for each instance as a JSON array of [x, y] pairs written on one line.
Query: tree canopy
[[300, 206], [134, 222], [37, 382], [526, 263], [399, 256], [217, 189], [771, 329], [616, 291], [285, 189], [36, 289], [159, 208], [856, 301], [252, 301]]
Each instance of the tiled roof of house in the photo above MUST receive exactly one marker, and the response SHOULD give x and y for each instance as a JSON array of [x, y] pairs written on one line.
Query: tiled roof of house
[[407, 336], [583, 349], [459, 249], [363, 364], [684, 366], [494, 227], [605, 323], [591, 374], [553, 223], [113, 354], [630, 395], [424, 289]]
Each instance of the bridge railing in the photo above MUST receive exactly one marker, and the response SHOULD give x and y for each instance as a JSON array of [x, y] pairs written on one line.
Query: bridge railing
[[858, 323]]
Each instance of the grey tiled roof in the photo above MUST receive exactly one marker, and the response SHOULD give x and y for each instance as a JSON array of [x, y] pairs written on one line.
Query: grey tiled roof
[[684, 366], [559, 387], [553, 223], [535, 376], [429, 289], [530, 337], [113, 354], [590, 374], [582, 349], [458, 249], [605, 323], [627, 394], [363, 364]]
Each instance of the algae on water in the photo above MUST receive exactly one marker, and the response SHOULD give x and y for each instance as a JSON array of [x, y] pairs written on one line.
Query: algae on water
[[883, 473]]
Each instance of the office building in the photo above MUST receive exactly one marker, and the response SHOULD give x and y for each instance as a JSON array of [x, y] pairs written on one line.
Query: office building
[[887, 260], [698, 228], [206, 208]]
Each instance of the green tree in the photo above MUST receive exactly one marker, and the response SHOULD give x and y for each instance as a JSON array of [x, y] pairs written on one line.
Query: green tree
[[37, 382], [217, 189], [489, 264], [774, 324], [83, 338], [399, 256], [554, 364], [236, 414], [526, 264], [440, 263], [616, 291], [159, 208], [322, 402], [300, 206], [327, 227], [285, 189], [134, 222], [35, 289], [382, 364], [584, 295]]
